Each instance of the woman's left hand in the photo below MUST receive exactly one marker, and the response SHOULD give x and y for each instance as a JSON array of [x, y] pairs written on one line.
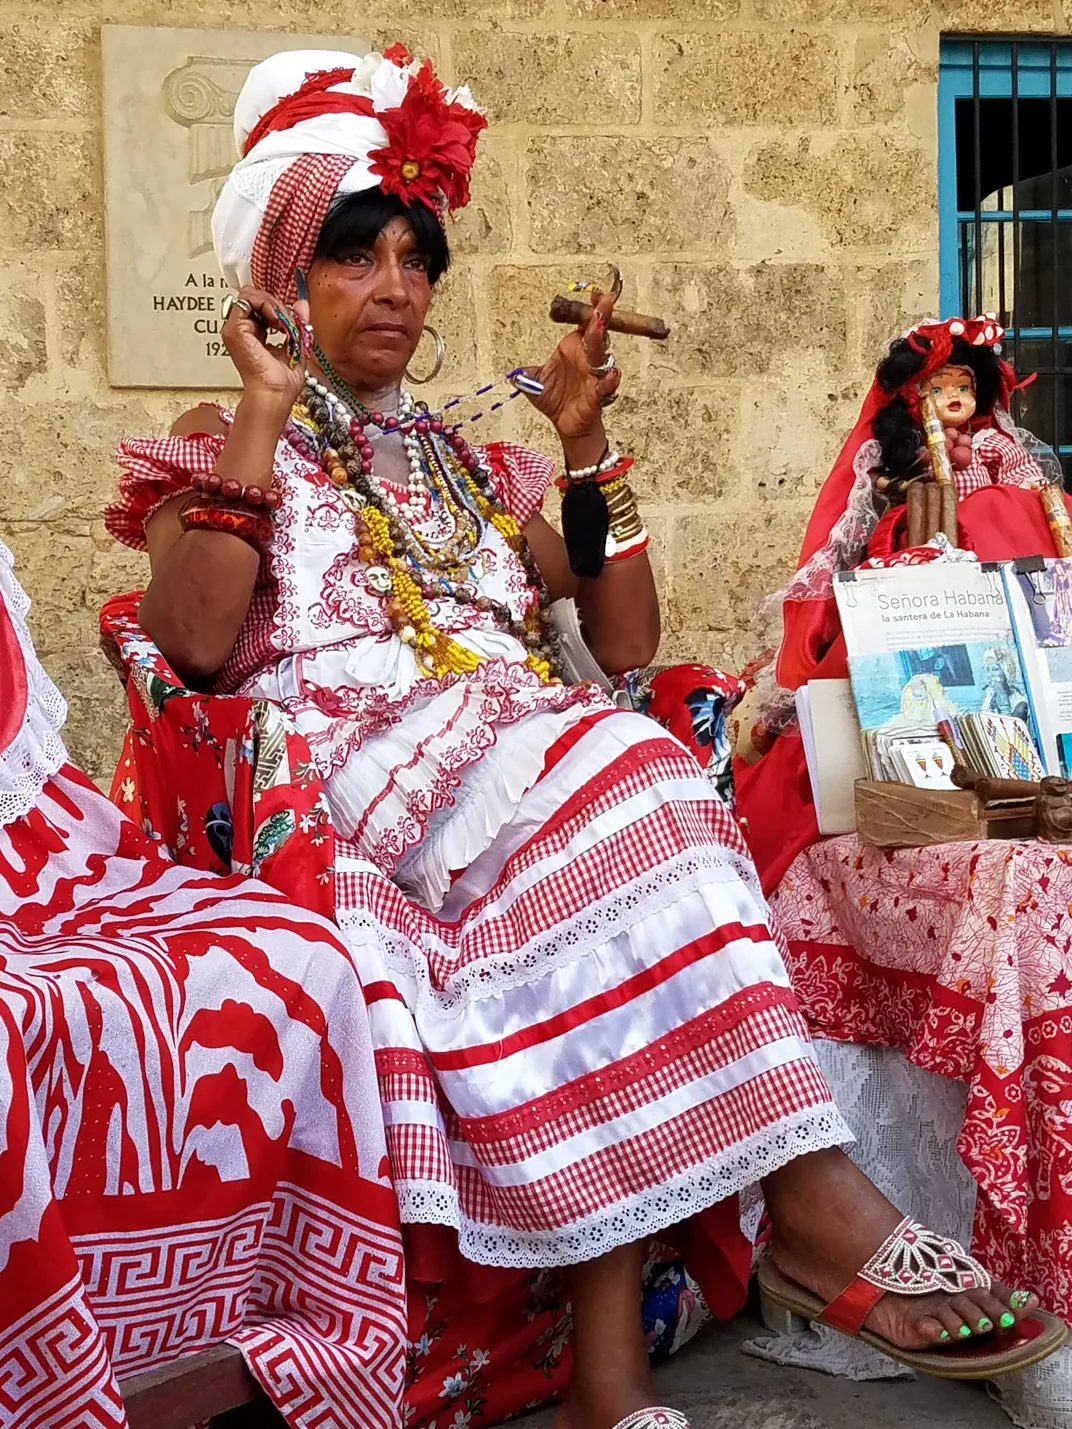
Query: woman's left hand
[[573, 390]]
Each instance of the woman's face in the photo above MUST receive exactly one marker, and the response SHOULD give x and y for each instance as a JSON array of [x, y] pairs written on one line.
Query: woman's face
[[953, 390], [368, 310]]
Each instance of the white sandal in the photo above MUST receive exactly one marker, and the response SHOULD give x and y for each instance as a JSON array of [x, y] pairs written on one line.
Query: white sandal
[[654, 1418]]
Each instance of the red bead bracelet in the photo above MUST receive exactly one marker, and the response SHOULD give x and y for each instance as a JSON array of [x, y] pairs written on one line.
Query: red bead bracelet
[[257, 497]]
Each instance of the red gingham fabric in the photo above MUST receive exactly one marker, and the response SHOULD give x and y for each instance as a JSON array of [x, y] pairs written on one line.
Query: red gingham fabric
[[997, 460], [293, 218], [521, 478], [533, 893]]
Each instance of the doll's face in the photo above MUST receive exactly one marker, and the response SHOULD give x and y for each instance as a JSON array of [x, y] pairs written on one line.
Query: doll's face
[[953, 391]]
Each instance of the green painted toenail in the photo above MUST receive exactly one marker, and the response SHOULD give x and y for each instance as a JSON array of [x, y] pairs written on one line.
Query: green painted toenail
[[1019, 1298], [1007, 1321], [985, 1324], [964, 1332], [945, 1334]]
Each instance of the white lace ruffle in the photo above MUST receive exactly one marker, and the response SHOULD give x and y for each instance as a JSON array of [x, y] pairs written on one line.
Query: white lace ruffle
[[603, 919], [37, 751], [637, 1218]]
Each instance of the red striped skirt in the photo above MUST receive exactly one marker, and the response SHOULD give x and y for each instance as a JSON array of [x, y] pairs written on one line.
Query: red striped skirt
[[595, 1037]]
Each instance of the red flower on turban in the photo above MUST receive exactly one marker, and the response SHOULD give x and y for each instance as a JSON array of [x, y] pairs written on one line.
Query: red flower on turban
[[431, 145]]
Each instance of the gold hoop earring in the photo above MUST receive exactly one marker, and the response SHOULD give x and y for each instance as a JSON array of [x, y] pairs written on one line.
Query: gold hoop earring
[[437, 367]]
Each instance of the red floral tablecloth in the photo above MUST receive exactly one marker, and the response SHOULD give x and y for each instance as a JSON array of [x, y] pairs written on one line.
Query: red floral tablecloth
[[961, 956]]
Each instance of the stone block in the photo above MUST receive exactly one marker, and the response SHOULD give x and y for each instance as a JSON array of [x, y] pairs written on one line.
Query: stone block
[[790, 428], [724, 563], [57, 460], [46, 66], [617, 195], [885, 69], [1004, 17], [890, 299], [746, 77], [865, 191], [557, 78], [727, 323], [80, 304], [452, 313], [486, 225], [53, 569], [22, 339], [661, 11], [51, 196], [902, 13], [683, 440], [518, 300], [113, 568]]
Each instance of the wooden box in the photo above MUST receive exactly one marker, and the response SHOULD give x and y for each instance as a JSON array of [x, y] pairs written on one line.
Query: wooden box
[[890, 815]]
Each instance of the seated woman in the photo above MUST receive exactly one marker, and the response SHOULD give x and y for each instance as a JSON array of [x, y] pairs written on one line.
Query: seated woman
[[584, 1030], [190, 1145], [1002, 475]]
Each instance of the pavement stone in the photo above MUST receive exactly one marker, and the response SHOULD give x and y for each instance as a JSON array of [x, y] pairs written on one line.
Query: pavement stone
[[718, 1387]]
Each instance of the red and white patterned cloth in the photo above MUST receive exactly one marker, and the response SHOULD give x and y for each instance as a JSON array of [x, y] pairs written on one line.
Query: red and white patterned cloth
[[595, 1038], [961, 956], [997, 460], [191, 1148]]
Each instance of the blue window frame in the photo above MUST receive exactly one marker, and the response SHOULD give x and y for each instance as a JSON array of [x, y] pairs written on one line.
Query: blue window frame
[[1005, 209]]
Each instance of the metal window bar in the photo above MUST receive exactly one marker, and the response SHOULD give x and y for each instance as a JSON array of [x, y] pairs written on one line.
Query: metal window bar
[[1004, 227]]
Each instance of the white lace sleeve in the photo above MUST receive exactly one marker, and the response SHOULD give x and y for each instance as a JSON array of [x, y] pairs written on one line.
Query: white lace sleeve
[[36, 751]]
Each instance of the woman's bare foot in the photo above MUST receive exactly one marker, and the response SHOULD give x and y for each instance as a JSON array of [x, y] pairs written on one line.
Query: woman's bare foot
[[828, 1220]]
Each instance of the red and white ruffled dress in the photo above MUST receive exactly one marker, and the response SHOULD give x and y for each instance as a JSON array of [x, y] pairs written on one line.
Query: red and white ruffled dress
[[584, 1030], [190, 1142]]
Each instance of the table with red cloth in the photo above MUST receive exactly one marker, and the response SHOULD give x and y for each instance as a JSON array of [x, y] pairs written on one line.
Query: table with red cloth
[[960, 955]]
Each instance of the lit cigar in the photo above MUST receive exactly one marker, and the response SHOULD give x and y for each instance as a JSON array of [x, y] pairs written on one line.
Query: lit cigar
[[569, 310]]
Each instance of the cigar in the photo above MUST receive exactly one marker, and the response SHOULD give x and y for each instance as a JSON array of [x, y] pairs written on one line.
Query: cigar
[[962, 776], [915, 506], [933, 519], [948, 525], [569, 310], [996, 790]]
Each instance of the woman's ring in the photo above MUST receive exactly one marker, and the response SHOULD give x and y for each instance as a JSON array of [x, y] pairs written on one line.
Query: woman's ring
[[232, 300], [605, 368], [609, 399]]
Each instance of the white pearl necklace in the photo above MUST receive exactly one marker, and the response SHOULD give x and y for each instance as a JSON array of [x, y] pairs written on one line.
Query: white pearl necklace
[[412, 506]]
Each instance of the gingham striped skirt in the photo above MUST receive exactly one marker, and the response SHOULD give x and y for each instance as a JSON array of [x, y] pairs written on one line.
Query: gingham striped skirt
[[595, 1037]]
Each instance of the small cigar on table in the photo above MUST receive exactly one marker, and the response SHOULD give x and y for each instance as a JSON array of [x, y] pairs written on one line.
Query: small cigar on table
[[992, 790], [569, 310]]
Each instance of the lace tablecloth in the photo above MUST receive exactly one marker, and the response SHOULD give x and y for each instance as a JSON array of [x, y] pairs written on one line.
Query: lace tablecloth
[[961, 956]]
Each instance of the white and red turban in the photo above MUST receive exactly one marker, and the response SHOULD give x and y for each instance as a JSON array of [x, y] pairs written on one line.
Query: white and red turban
[[311, 124]]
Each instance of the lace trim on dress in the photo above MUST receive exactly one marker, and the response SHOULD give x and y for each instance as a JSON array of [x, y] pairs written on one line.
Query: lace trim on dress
[[37, 750], [645, 897], [638, 1217]]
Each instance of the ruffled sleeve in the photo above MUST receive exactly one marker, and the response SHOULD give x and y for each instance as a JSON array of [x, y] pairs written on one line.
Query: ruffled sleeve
[[153, 470], [521, 478]]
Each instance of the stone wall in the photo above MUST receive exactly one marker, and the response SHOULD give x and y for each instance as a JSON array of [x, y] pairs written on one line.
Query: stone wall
[[763, 170]]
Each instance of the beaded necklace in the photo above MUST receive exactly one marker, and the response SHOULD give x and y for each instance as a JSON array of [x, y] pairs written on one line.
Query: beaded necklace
[[402, 567]]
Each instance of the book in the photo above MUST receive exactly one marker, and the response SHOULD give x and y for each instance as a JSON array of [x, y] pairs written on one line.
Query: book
[[1039, 594], [935, 644], [830, 733]]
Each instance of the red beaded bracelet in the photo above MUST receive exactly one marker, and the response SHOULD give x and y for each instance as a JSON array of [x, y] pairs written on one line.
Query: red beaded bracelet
[[612, 473], [255, 528], [212, 484]]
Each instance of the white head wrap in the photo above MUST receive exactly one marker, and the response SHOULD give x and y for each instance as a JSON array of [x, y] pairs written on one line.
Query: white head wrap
[[241, 207]]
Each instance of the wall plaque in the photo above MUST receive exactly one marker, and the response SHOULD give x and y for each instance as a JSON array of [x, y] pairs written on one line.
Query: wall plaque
[[169, 98]]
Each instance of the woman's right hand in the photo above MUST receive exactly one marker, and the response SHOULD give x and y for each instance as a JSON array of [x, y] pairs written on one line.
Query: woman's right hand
[[266, 372]]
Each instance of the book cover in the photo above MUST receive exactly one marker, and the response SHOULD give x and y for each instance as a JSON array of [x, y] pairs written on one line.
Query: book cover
[[930, 643]]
